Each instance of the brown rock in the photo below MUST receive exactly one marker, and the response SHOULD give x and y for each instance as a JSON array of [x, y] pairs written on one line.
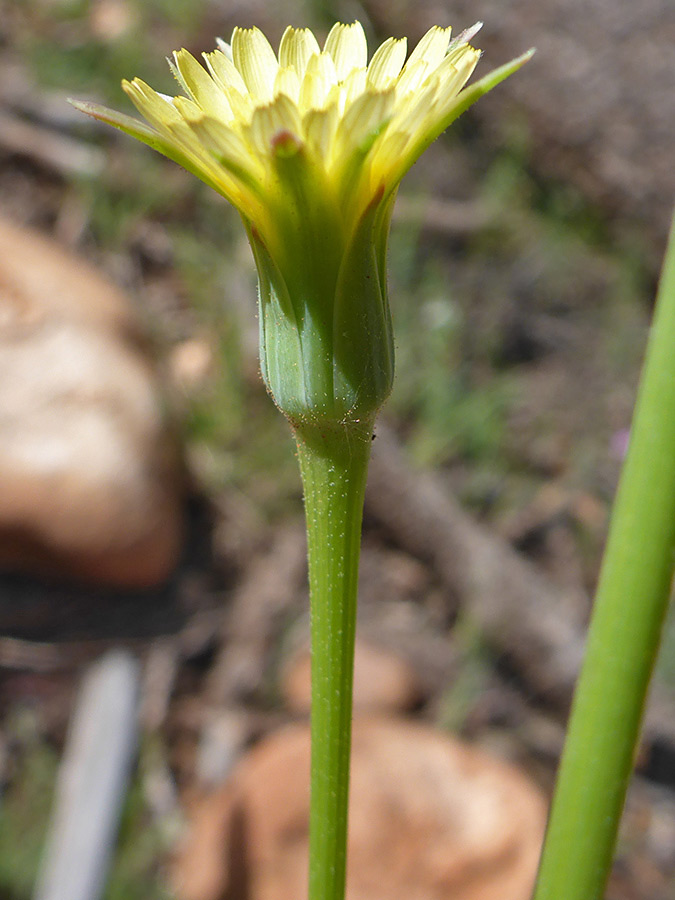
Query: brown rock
[[383, 681], [191, 363], [431, 819], [88, 475]]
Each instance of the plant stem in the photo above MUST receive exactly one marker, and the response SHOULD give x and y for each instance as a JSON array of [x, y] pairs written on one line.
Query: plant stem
[[624, 635], [334, 464]]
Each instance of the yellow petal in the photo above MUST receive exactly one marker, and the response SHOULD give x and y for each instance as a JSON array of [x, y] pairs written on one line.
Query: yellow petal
[[387, 62], [157, 109], [242, 106], [369, 113], [197, 159], [180, 137], [353, 86], [411, 77], [450, 85], [343, 94], [254, 58], [270, 121], [319, 79], [226, 145], [447, 108], [414, 114], [224, 71], [202, 88], [387, 154], [318, 126], [432, 47], [348, 47], [187, 107], [287, 82], [225, 175], [296, 47]]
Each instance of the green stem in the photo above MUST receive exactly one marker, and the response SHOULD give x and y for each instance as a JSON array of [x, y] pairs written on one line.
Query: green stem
[[334, 464], [624, 635]]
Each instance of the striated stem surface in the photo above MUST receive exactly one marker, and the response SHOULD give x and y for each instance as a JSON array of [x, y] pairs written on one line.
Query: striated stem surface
[[334, 464]]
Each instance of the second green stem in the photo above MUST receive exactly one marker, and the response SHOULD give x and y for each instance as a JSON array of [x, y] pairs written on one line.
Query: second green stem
[[624, 634], [334, 465]]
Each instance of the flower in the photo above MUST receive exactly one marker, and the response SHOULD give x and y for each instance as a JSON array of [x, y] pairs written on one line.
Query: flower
[[310, 146]]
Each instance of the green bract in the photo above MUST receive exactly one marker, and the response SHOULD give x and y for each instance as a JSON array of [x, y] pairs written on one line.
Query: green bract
[[326, 344]]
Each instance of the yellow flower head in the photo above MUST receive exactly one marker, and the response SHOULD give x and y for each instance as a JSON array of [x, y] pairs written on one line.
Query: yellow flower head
[[310, 145], [361, 124]]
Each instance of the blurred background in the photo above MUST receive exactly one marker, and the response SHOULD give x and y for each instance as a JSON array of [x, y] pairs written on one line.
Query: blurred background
[[150, 505]]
